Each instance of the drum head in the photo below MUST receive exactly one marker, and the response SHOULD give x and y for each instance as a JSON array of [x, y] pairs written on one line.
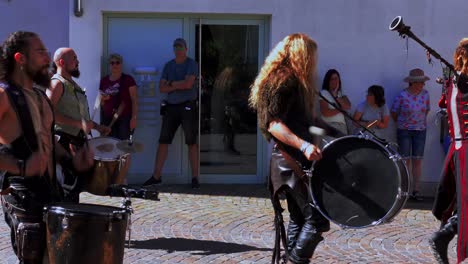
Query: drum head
[[105, 148], [355, 184]]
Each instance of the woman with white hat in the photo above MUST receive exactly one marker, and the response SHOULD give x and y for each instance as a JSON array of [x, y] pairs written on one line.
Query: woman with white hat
[[409, 110]]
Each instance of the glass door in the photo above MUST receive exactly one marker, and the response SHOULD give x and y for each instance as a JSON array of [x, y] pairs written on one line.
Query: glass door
[[229, 53]]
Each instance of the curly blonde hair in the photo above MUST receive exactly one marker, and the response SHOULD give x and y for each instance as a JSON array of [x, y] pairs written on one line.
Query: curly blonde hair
[[294, 57], [460, 57]]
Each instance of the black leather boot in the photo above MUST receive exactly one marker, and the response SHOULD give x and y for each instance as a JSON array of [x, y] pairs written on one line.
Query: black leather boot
[[440, 240], [305, 245], [293, 232]]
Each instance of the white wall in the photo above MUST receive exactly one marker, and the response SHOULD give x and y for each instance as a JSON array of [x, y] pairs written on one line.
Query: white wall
[[353, 37], [48, 18]]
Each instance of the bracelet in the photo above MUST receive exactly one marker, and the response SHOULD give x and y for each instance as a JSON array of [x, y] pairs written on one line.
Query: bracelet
[[304, 146], [21, 167]]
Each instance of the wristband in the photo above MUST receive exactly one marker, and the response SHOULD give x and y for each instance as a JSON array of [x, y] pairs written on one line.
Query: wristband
[[304, 146]]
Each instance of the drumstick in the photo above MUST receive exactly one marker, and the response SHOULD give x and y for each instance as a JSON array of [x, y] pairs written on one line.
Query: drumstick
[[114, 119], [318, 133], [373, 123], [85, 127], [97, 102]]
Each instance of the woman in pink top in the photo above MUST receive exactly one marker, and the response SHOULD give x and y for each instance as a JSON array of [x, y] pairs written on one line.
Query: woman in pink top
[[410, 110]]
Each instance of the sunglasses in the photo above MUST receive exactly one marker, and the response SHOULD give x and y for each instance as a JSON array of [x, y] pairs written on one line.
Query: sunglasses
[[115, 63]]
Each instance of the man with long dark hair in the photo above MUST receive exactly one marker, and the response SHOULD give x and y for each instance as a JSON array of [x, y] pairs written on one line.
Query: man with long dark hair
[[27, 161], [283, 95]]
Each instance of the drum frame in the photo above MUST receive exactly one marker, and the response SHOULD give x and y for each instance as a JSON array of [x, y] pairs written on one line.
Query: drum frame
[[401, 197]]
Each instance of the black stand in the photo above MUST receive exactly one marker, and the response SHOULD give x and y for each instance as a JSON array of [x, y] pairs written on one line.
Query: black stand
[[356, 123], [127, 193]]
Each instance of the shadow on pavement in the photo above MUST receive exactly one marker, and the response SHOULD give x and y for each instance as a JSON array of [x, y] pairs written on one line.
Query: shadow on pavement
[[425, 204], [243, 190], [255, 191], [199, 247]]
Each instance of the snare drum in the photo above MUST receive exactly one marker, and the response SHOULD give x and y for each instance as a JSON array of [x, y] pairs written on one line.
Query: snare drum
[[110, 165], [359, 182], [85, 233]]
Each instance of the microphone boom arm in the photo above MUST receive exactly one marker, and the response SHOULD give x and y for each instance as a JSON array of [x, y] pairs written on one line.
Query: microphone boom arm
[[404, 30]]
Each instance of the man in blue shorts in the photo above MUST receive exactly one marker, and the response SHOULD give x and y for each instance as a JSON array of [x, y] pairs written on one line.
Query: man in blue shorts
[[178, 81]]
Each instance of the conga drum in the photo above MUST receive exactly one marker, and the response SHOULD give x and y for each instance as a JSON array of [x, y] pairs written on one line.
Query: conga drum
[[85, 233], [110, 165]]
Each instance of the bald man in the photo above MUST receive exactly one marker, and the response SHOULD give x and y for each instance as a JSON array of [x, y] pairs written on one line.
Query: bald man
[[73, 122]]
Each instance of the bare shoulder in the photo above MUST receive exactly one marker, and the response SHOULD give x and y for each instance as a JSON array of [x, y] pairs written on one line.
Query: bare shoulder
[[55, 91], [56, 84]]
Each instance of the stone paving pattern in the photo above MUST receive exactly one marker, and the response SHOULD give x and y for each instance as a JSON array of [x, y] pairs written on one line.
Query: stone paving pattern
[[234, 224]]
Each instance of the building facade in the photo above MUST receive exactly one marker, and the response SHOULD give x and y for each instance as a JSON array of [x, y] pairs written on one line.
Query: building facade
[[230, 40]]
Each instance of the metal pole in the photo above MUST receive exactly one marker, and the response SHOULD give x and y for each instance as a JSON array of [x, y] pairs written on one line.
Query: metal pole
[[199, 91], [78, 8]]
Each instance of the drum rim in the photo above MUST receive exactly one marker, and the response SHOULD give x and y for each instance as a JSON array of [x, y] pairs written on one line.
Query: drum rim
[[394, 210], [59, 209], [120, 155], [118, 158]]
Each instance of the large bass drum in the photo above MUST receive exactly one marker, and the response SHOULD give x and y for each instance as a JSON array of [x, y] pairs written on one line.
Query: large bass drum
[[359, 182]]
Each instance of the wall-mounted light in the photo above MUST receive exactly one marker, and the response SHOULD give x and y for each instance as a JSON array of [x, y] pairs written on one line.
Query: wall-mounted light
[[78, 8]]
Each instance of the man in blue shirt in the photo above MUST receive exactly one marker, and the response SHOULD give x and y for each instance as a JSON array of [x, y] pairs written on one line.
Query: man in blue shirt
[[178, 81]]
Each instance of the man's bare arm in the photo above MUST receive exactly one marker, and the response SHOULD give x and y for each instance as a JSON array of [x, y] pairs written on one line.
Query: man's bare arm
[[282, 133], [54, 93], [7, 162]]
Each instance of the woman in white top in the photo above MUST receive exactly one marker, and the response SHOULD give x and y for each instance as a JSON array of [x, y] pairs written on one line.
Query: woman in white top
[[332, 91]]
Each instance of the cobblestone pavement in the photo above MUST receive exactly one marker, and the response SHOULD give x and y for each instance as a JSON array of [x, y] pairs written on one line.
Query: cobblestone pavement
[[233, 224]]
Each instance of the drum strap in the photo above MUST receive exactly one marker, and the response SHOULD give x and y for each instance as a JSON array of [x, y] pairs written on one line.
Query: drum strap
[[280, 233], [292, 163]]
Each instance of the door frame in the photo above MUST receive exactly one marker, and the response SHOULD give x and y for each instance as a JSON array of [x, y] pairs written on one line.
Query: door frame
[[261, 23], [189, 22]]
